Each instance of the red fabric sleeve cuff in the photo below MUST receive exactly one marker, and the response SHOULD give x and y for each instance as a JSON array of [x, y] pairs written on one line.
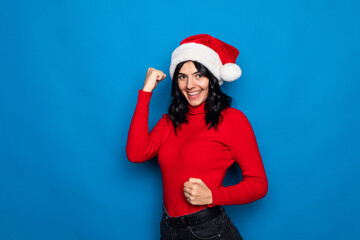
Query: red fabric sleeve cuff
[[144, 94], [216, 195], [143, 98]]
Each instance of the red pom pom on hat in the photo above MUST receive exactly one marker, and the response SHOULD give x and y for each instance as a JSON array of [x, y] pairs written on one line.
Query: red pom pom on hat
[[218, 56]]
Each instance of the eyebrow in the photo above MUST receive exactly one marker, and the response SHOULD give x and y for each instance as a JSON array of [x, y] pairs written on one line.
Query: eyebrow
[[192, 74]]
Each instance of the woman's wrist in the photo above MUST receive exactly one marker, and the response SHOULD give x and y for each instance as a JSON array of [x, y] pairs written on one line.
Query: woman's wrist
[[147, 89]]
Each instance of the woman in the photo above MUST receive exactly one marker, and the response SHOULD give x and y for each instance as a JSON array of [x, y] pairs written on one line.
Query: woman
[[197, 141]]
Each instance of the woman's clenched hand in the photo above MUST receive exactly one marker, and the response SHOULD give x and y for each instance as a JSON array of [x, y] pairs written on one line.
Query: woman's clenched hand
[[197, 193], [153, 77]]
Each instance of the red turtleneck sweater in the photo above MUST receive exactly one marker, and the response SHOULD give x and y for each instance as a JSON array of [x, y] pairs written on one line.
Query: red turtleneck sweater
[[199, 153]]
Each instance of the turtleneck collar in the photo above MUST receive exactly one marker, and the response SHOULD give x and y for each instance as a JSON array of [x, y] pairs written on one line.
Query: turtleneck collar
[[195, 110]]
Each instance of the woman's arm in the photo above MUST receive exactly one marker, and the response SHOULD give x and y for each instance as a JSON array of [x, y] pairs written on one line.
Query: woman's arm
[[245, 151], [142, 145]]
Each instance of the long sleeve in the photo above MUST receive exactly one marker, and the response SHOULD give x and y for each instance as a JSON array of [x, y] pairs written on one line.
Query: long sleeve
[[143, 145], [244, 149]]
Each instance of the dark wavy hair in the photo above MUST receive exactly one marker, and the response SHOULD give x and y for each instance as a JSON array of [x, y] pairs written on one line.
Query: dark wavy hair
[[215, 103]]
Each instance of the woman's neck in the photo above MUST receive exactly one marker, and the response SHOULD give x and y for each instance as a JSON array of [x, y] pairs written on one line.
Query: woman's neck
[[195, 110]]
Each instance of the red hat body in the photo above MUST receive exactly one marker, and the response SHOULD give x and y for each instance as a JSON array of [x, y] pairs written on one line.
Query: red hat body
[[227, 53]]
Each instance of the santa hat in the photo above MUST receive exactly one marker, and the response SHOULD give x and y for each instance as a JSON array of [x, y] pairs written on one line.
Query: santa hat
[[216, 55]]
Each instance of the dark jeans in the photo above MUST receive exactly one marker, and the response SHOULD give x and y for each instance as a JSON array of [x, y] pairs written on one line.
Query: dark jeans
[[220, 227]]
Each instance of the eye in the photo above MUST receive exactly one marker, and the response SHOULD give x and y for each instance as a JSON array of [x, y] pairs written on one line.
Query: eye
[[181, 77], [199, 76]]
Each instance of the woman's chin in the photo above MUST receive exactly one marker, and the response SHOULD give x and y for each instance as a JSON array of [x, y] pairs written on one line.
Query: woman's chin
[[195, 103]]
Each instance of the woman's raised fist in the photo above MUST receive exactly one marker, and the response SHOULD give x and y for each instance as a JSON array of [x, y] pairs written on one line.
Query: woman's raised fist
[[153, 77]]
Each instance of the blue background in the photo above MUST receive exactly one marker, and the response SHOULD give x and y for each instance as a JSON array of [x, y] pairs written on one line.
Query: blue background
[[69, 76]]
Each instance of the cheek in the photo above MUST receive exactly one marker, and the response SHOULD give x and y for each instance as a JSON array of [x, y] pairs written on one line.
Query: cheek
[[205, 85], [181, 86], [206, 88], [206, 92], [182, 89]]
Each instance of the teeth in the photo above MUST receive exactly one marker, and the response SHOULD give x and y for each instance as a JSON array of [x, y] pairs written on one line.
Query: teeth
[[193, 93]]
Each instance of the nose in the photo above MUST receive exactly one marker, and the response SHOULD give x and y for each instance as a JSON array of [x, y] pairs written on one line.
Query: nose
[[190, 83]]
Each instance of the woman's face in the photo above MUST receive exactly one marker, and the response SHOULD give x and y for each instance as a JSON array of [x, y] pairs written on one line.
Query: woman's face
[[192, 84]]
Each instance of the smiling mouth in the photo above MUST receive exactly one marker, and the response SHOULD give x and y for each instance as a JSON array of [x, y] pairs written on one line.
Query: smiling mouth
[[194, 95]]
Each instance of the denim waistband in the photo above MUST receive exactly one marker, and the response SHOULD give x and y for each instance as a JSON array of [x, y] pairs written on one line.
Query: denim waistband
[[192, 219]]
